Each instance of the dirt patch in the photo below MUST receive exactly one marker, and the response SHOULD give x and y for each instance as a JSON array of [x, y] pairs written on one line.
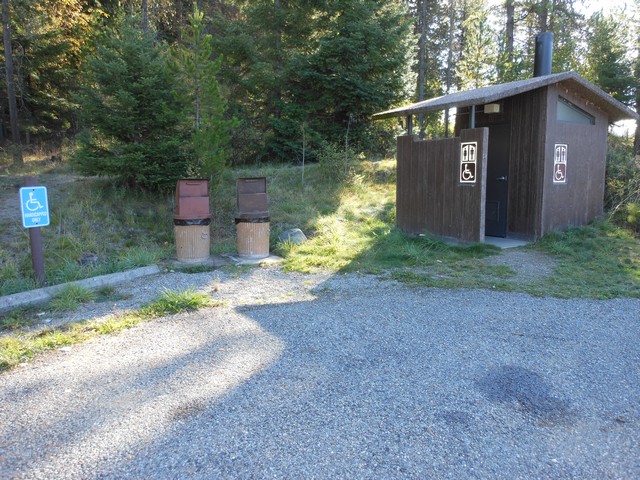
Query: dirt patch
[[528, 265]]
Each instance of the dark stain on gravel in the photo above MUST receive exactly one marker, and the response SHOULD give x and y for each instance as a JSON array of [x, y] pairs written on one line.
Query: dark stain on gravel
[[528, 393]]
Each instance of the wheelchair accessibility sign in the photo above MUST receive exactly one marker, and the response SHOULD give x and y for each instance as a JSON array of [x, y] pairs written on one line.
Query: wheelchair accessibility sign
[[560, 163], [34, 207], [468, 162]]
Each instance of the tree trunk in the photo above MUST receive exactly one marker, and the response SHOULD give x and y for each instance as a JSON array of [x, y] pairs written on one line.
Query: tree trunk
[[11, 91], [636, 142], [421, 59], [278, 59], [510, 27], [145, 15], [452, 14]]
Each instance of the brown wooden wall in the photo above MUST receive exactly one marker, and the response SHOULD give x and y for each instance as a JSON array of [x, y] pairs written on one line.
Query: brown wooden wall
[[581, 198], [429, 195], [526, 165], [526, 115]]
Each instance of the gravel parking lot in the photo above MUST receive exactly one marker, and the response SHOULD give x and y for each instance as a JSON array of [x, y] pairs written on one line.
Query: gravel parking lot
[[346, 376]]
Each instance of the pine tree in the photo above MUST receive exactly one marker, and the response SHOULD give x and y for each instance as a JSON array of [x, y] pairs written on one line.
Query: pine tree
[[198, 73], [134, 117], [330, 64], [607, 62], [478, 57]]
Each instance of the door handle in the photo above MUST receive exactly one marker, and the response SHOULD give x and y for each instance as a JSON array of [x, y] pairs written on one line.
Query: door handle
[[502, 179]]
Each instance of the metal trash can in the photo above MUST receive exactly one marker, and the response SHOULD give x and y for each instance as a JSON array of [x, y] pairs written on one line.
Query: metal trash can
[[191, 220], [252, 221]]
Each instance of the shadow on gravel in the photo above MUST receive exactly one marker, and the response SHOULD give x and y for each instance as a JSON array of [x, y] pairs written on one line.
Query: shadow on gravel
[[528, 393]]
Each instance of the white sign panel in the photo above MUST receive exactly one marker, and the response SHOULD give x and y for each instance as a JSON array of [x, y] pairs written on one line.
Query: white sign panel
[[560, 163], [468, 162]]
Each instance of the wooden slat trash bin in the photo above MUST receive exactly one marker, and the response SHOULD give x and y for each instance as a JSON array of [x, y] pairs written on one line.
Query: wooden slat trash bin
[[191, 220], [252, 219]]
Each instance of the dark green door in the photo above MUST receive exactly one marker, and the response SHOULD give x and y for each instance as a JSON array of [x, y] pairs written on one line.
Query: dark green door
[[497, 181]]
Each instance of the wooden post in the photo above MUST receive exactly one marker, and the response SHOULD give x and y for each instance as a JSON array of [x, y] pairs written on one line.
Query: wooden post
[[35, 239]]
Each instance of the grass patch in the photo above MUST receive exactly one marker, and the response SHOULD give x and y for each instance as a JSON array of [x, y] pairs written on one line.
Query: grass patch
[[596, 261], [90, 218], [16, 348], [350, 225], [71, 297], [16, 319], [172, 302]]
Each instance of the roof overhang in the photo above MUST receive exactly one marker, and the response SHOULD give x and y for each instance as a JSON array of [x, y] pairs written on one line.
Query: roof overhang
[[615, 110]]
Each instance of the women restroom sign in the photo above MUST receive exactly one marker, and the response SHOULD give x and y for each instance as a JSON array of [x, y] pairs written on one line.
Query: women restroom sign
[[34, 207], [468, 162]]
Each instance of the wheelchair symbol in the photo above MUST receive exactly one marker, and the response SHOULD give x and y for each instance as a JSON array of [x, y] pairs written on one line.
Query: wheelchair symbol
[[33, 204], [467, 174], [558, 175]]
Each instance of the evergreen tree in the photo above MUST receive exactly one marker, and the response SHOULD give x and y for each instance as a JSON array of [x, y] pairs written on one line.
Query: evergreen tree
[[431, 26], [478, 57], [198, 74], [361, 65], [134, 118], [329, 64], [636, 68], [562, 19], [52, 38], [607, 62]]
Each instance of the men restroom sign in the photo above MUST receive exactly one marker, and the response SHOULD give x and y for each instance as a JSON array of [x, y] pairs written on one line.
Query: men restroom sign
[[560, 163], [468, 162]]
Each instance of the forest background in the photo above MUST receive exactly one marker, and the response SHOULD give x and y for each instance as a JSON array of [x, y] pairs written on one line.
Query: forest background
[[153, 90]]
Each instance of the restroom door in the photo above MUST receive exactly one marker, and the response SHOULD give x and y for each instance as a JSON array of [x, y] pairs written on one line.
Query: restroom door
[[497, 181]]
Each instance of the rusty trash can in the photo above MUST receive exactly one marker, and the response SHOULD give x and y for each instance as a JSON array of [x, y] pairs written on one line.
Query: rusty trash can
[[252, 221], [191, 220]]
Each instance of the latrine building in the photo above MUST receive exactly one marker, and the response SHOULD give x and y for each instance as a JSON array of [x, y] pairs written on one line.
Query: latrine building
[[527, 157]]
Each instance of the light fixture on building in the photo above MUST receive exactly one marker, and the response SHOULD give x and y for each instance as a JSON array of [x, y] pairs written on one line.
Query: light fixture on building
[[492, 108]]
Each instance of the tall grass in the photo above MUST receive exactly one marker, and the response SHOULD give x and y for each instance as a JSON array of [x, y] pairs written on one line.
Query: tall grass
[[96, 228], [349, 220]]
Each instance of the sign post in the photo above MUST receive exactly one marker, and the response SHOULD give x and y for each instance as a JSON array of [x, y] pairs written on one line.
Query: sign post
[[35, 214]]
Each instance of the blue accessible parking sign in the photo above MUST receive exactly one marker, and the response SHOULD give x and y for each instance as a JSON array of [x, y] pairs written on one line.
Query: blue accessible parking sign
[[34, 207]]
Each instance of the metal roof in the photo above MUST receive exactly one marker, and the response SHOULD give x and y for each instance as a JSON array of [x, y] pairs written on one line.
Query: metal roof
[[479, 96]]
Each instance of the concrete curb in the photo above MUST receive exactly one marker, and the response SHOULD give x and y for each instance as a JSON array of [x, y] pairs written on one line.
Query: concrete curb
[[45, 294]]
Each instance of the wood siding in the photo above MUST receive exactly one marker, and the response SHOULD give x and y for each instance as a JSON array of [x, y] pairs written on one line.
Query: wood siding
[[535, 204], [581, 198], [526, 115], [526, 165], [430, 197]]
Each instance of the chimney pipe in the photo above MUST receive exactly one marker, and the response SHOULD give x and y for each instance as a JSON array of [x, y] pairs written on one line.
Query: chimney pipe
[[544, 54]]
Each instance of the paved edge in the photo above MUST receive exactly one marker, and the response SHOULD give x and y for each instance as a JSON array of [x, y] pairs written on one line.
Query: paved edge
[[41, 295]]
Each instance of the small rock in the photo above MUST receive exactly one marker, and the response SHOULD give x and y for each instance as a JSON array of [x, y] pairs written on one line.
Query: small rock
[[293, 235], [65, 349], [88, 258]]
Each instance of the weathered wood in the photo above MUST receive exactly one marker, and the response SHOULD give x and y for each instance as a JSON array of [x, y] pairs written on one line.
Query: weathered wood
[[430, 197], [581, 198]]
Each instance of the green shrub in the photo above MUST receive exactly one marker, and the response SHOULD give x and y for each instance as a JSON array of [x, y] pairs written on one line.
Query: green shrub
[[622, 191], [336, 164], [133, 112]]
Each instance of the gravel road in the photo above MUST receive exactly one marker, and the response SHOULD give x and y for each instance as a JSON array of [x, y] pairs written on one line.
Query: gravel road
[[318, 376]]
